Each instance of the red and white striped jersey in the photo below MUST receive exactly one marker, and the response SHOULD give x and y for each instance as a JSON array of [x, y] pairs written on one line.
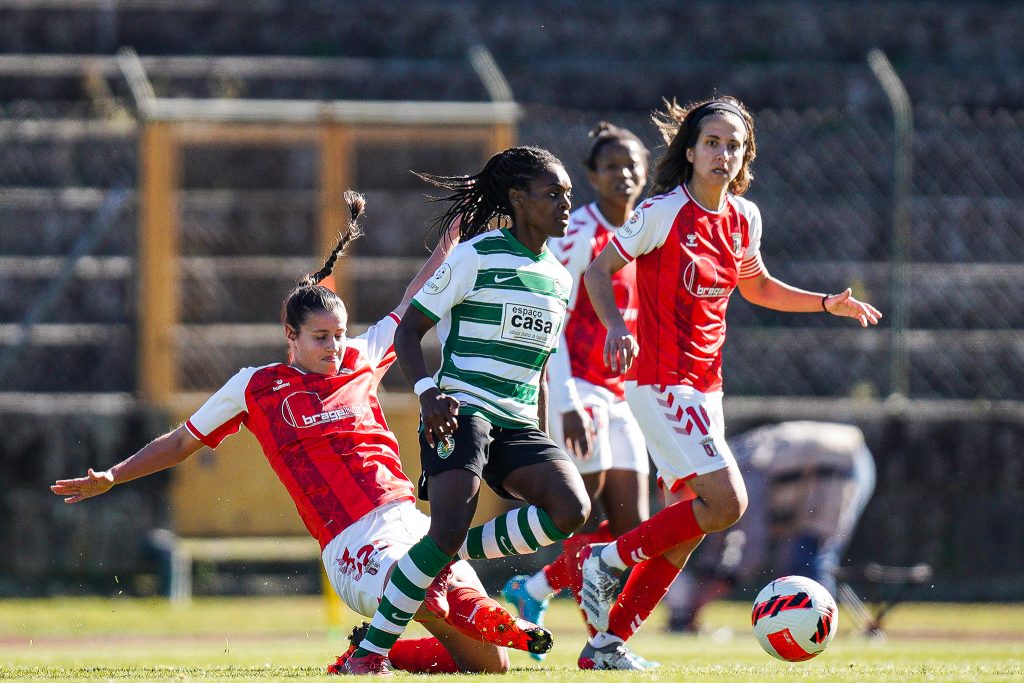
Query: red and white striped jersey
[[688, 261], [325, 436], [584, 336]]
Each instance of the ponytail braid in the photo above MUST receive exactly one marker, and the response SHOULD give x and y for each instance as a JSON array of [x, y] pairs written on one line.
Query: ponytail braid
[[356, 205], [309, 295]]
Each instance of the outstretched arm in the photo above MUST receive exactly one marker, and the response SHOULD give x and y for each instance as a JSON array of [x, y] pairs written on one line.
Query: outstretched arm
[[163, 452], [433, 262], [764, 290], [620, 347]]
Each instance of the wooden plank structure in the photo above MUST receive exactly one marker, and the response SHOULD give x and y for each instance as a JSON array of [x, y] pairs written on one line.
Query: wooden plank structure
[[264, 526]]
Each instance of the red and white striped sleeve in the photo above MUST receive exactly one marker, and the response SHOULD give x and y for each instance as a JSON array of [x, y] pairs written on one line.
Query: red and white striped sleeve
[[752, 265]]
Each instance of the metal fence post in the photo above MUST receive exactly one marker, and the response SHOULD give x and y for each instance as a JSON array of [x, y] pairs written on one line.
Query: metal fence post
[[903, 161]]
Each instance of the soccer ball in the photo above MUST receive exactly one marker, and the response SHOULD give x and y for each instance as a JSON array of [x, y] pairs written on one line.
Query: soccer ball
[[794, 618]]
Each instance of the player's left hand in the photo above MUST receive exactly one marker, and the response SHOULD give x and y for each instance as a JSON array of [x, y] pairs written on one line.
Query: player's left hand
[[578, 434], [437, 414], [844, 305], [81, 488]]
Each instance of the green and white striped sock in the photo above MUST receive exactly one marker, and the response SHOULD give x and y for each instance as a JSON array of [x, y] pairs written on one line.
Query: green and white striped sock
[[516, 532], [403, 595]]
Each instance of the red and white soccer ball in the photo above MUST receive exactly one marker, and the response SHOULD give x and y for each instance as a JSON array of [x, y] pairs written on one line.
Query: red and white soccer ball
[[794, 618]]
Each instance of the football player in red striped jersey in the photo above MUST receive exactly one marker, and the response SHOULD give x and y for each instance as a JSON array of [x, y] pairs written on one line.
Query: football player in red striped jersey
[[694, 242], [320, 425]]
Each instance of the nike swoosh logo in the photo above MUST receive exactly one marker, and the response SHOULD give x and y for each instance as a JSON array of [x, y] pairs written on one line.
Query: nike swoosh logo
[[498, 279]]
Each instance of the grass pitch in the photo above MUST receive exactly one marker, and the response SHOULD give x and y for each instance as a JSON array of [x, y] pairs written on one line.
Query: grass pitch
[[237, 639]]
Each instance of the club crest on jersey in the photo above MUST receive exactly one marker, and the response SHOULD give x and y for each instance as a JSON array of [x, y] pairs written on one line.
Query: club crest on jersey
[[633, 226], [737, 244], [709, 446], [440, 280], [445, 447]]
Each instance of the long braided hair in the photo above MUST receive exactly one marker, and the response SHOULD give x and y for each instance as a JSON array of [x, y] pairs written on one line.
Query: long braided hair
[[680, 127], [476, 200], [309, 295]]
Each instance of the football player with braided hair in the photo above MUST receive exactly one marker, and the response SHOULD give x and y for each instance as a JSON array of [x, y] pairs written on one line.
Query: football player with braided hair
[[587, 412], [498, 303], [321, 427]]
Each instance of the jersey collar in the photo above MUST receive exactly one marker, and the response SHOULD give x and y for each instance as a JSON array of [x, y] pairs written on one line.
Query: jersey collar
[[686, 190], [521, 248]]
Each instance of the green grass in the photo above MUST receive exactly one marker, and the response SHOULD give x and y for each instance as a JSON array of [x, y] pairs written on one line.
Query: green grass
[[286, 638]]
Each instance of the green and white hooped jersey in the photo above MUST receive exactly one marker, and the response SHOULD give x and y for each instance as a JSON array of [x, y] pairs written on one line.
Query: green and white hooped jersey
[[499, 310]]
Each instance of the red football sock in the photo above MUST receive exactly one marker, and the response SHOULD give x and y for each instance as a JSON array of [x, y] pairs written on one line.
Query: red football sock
[[668, 528], [464, 603], [560, 572], [644, 589], [422, 656]]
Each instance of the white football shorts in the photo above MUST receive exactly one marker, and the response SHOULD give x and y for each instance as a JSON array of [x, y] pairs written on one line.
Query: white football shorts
[[684, 429], [618, 441], [359, 560]]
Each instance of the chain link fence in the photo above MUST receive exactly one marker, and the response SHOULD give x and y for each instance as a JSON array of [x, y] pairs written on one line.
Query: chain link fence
[[823, 181]]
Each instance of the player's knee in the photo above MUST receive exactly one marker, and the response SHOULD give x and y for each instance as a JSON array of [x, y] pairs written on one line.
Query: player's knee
[[496, 662], [740, 505], [725, 511], [571, 514]]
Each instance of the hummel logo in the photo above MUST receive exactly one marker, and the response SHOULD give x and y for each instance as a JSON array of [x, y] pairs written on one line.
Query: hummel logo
[[499, 279], [281, 384]]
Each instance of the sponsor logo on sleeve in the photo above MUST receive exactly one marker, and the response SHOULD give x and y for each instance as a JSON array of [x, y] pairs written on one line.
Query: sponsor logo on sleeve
[[440, 280], [633, 226]]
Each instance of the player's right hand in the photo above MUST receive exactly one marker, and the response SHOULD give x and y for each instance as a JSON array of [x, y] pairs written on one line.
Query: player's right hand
[[620, 349], [81, 488], [438, 412], [578, 434]]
